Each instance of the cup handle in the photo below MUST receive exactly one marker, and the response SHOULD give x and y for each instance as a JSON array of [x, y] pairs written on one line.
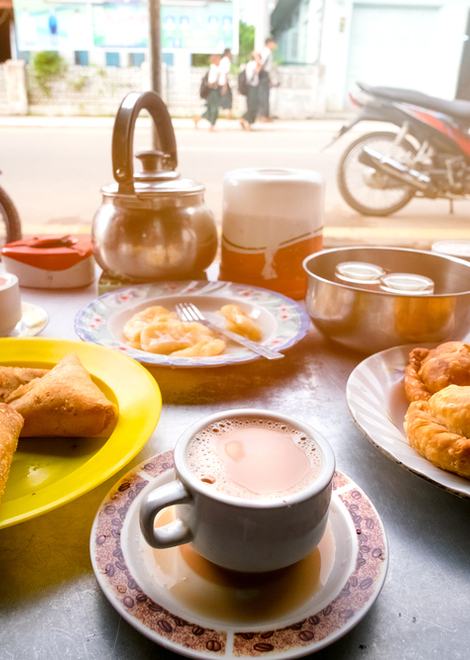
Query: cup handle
[[174, 533]]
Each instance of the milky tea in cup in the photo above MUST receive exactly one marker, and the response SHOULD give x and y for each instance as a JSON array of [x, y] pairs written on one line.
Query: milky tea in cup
[[252, 490], [253, 458]]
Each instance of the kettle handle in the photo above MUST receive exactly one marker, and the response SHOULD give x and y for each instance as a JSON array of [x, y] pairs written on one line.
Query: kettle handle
[[123, 134]]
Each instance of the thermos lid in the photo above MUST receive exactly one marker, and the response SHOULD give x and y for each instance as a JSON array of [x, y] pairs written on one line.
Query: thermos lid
[[290, 195], [50, 252], [271, 176]]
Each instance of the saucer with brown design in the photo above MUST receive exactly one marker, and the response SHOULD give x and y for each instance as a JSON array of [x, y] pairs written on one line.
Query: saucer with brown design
[[195, 608]]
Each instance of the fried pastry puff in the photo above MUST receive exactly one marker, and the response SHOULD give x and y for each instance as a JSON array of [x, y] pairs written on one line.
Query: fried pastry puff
[[439, 429], [13, 377], [205, 348], [238, 321], [132, 330], [64, 402], [168, 336], [11, 423], [430, 370]]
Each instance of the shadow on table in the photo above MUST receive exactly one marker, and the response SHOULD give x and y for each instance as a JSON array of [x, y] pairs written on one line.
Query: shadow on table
[[204, 385]]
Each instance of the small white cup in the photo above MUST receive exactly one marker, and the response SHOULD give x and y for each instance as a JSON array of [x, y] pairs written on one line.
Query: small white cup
[[410, 284], [359, 272], [241, 534], [10, 303]]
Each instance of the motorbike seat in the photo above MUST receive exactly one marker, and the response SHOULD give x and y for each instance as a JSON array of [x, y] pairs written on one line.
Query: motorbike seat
[[458, 109]]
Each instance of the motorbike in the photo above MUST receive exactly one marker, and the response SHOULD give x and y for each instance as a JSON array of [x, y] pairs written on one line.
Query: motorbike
[[426, 155], [10, 223]]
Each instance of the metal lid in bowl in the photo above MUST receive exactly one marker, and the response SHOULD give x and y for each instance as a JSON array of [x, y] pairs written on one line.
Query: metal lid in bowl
[[410, 284], [359, 272]]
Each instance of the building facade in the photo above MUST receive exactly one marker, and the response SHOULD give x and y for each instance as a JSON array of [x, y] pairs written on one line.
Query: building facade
[[116, 33], [415, 44]]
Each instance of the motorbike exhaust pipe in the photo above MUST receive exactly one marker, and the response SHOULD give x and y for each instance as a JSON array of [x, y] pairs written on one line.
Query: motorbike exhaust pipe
[[394, 168]]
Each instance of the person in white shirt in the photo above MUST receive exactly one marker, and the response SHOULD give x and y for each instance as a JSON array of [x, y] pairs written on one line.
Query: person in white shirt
[[265, 78], [252, 73], [213, 98], [226, 98]]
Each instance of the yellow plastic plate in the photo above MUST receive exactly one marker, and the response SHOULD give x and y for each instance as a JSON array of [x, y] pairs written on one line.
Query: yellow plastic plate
[[49, 472]]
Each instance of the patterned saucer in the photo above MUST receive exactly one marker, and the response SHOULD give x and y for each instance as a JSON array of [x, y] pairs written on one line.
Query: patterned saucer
[[33, 321], [283, 321], [350, 565]]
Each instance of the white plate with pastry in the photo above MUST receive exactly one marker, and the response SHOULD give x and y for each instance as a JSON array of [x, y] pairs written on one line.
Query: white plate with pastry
[[377, 400], [141, 321]]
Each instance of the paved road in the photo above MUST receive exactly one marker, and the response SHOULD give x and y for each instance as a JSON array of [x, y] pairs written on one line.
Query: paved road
[[54, 168]]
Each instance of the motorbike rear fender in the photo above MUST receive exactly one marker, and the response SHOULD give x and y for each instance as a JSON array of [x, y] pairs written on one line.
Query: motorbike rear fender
[[372, 112]]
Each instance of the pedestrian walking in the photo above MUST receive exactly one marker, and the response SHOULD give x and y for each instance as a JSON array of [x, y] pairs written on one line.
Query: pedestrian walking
[[226, 97], [213, 94], [252, 71], [265, 78]]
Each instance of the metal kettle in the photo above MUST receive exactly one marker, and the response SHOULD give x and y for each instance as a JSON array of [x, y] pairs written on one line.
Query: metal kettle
[[152, 224]]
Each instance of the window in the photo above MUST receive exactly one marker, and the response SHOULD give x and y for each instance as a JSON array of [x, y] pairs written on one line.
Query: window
[[136, 59], [112, 59], [168, 59], [81, 57], [200, 59]]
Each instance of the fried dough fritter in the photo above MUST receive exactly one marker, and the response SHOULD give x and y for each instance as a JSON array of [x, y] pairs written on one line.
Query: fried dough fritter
[[439, 429], [431, 370]]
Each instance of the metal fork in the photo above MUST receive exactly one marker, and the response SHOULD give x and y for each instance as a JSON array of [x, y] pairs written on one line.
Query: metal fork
[[189, 312]]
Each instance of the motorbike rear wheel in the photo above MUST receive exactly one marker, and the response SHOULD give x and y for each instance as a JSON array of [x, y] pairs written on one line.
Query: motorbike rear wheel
[[10, 223], [365, 189]]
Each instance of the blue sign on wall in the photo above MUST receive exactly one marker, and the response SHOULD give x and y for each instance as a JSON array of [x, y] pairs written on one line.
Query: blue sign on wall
[[49, 25]]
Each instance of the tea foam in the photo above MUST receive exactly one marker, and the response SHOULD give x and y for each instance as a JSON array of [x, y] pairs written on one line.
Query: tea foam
[[253, 458]]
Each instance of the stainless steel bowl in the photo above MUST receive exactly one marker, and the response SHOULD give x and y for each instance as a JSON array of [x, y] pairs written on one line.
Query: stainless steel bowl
[[370, 321]]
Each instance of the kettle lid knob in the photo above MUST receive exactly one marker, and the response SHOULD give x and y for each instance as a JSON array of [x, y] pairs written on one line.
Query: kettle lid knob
[[153, 166], [151, 160]]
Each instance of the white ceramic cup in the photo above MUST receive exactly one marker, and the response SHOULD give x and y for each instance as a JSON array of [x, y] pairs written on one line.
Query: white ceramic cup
[[241, 534], [10, 303]]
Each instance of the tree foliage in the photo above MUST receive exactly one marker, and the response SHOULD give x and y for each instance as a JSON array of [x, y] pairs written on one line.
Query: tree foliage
[[246, 43], [48, 65]]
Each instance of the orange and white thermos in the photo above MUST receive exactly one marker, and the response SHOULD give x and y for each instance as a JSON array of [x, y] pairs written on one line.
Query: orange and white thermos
[[272, 220]]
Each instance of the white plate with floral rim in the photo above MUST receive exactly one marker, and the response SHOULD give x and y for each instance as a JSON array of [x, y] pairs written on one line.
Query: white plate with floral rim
[[377, 402], [283, 321], [195, 609]]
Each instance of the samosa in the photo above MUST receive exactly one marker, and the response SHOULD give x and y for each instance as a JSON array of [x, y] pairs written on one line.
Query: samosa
[[12, 377], [64, 402], [11, 423]]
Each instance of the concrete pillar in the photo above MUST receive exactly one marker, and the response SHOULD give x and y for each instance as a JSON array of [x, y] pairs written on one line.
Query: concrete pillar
[[15, 79], [337, 20], [146, 83], [262, 24]]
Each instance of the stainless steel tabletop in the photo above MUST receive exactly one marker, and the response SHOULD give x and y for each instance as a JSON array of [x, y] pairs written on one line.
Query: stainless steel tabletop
[[52, 608]]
